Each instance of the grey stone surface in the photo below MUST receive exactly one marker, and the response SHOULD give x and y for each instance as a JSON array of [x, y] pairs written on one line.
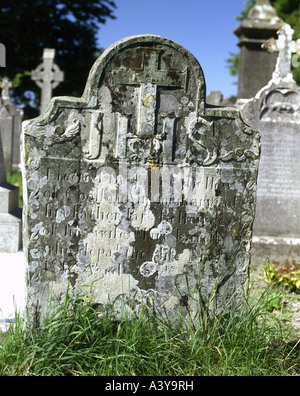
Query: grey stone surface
[[138, 188], [10, 127], [275, 112], [10, 214], [47, 76], [2, 165], [256, 65], [2, 55]]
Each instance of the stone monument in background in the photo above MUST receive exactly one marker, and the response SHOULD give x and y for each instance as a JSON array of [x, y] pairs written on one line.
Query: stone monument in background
[[256, 65], [2, 55], [275, 112], [138, 190], [10, 127], [216, 98], [10, 213], [47, 76]]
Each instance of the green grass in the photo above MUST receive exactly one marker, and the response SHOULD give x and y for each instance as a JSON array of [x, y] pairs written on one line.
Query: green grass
[[15, 178], [75, 339]]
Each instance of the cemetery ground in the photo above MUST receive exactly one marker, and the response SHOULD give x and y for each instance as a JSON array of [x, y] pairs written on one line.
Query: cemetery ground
[[78, 340]]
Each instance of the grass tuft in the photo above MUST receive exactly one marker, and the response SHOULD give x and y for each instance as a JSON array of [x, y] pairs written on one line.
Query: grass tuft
[[75, 339]]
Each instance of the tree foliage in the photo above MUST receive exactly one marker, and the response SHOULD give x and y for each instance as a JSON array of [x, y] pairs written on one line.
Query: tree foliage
[[289, 11], [69, 26], [249, 4]]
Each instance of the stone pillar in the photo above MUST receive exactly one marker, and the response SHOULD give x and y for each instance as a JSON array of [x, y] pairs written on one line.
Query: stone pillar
[[256, 65]]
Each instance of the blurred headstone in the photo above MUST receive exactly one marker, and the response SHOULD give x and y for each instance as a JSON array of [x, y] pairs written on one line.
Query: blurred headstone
[[216, 98], [10, 127], [275, 112]]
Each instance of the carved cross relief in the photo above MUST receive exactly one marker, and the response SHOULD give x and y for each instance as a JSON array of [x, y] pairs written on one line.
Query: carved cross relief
[[149, 81]]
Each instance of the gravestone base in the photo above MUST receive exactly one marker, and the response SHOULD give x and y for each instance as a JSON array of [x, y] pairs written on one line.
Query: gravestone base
[[278, 250], [10, 232], [10, 219], [9, 197]]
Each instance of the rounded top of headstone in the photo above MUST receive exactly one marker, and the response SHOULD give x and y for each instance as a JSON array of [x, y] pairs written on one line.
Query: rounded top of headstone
[[129, 47]]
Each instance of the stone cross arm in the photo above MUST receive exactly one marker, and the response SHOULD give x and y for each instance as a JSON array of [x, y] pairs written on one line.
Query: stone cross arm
[[53, 78], [47, 72], [286, 47]]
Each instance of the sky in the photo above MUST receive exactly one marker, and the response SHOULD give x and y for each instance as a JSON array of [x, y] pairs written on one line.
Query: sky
[[204, 27]]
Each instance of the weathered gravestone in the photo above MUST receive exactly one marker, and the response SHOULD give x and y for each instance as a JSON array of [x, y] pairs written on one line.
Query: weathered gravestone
[[10, 127], [138, 188], [10, 214], [47, 76], [275, 112]]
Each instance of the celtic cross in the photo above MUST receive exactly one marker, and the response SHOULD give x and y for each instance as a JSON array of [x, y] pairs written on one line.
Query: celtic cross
[[47, 76]]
